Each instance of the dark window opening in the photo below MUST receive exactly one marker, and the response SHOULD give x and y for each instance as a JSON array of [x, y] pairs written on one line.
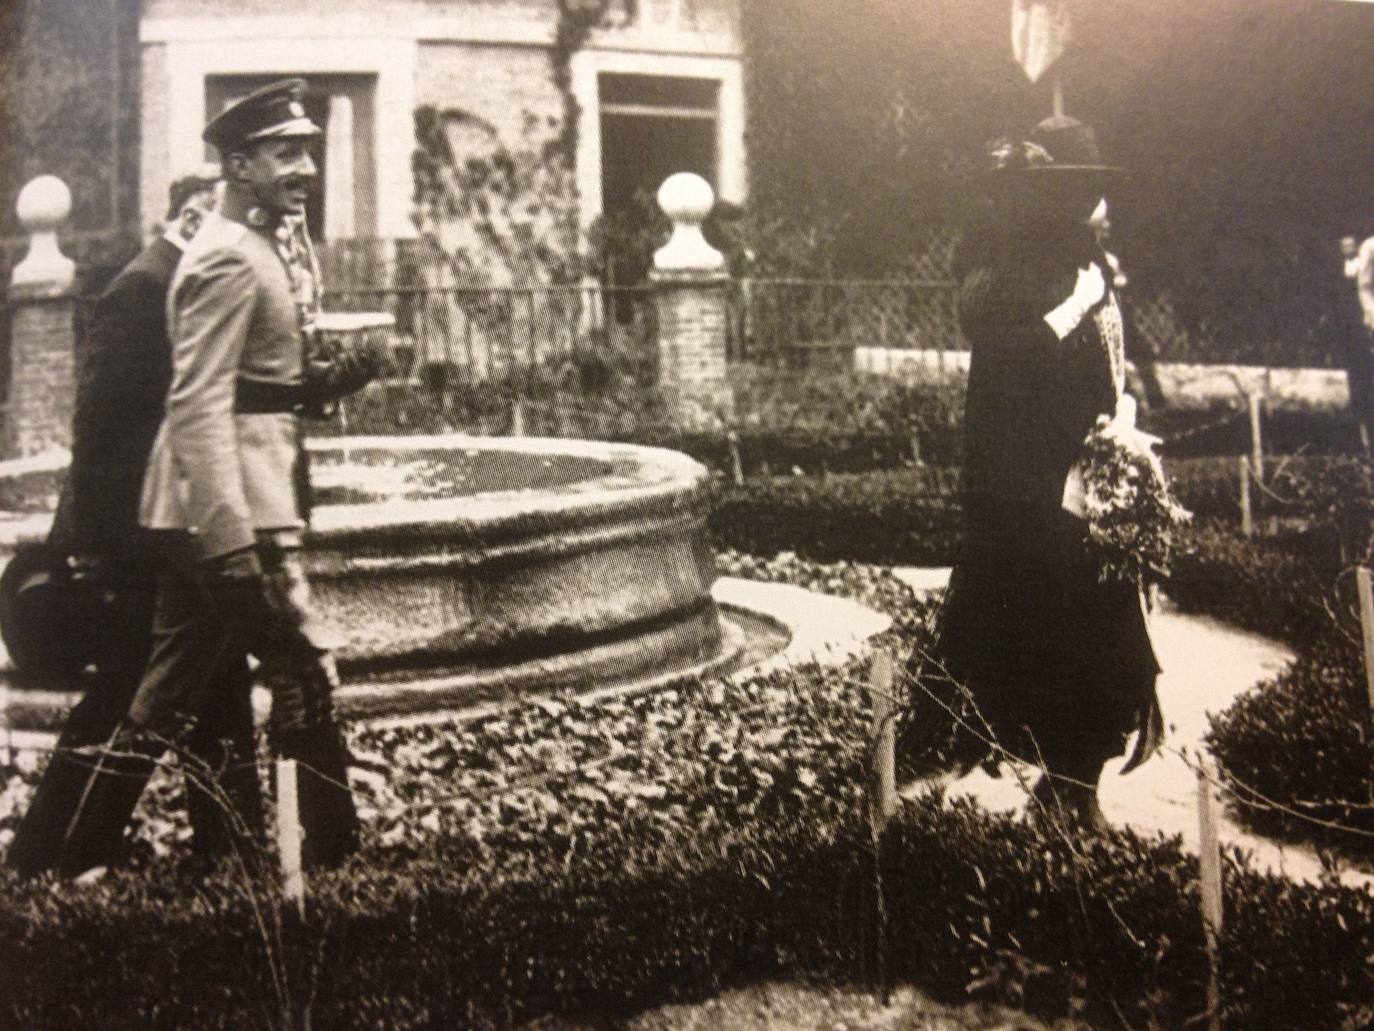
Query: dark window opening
[[651, 127]]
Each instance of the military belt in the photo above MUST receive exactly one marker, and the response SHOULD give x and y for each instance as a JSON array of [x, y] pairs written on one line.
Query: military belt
[[264, 397]]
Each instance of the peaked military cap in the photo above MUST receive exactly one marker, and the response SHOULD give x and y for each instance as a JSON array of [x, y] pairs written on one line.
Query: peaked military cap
[[272, 112]]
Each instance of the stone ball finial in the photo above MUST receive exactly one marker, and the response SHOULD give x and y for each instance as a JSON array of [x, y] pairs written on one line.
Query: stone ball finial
[[686, 198], [43, 206]]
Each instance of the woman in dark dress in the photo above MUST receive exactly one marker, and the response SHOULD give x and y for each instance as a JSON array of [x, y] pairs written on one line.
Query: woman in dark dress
[[1057, 661]]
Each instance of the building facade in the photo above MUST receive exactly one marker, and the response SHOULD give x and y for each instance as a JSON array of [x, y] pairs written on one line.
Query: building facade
[[486, 124]]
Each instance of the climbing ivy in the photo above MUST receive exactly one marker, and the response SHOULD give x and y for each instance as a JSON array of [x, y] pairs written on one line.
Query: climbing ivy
[[576, 21], [499, 212]]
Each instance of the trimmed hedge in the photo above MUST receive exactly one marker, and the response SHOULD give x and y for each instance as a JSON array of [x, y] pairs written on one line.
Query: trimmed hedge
[[831, 421], [896, 517], [1109, 928], [1281, 586], [1303, 740], [1224, 429], [982, 907], [1274, 586]]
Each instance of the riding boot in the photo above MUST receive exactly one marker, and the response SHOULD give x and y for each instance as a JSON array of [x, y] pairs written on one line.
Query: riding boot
[[88, 795]]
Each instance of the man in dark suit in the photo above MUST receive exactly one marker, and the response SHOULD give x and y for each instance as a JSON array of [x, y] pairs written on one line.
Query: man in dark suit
[[122, 387]]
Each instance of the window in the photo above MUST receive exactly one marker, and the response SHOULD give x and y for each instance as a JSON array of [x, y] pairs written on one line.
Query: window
[[651, 127]]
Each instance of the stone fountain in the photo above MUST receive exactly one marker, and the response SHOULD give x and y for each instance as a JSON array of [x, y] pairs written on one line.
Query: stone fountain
[[484, 567], [461, 570]]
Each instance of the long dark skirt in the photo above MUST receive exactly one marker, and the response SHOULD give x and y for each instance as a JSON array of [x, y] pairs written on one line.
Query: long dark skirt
[[1059, 664]]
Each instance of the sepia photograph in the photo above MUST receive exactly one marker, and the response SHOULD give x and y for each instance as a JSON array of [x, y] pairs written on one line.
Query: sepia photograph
[[730, 515]]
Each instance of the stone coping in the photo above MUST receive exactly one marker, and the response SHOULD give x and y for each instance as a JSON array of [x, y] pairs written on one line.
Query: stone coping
[[823, 629], [636, 475]]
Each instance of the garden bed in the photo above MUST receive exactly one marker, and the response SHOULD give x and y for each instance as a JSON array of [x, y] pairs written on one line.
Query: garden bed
[[611, 855]]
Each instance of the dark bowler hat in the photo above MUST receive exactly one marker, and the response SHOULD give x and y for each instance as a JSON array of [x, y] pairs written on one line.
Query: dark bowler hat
[[46, 620], [274, 111]]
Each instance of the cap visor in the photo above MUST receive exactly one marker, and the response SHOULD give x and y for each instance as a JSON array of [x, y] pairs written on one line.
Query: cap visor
[[295, 127]]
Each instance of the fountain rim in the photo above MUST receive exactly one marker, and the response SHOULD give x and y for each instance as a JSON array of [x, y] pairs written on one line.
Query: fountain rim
[[639, 476]]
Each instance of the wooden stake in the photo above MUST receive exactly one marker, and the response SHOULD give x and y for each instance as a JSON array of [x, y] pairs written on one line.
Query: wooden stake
[[1256, 441], [7, 755], [882, 794], [1247, 522], [1365, 584], [1209, 876], [517, 417], [289, 835], [1058, 97], [881, 677], [736, 463]]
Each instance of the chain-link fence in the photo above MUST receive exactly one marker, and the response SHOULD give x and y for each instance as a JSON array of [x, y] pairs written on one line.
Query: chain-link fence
[[807, 323]]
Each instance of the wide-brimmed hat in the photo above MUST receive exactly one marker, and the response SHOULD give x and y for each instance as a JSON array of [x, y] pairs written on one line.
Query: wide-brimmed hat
[[273, 112], [1059, 146]]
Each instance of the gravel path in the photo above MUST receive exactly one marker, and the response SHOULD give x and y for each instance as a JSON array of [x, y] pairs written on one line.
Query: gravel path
[[1206, 664]]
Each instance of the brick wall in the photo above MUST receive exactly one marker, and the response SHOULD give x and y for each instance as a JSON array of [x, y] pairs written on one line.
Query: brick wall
[[692, 316], [509, 103], [42, 384], [498, 84]]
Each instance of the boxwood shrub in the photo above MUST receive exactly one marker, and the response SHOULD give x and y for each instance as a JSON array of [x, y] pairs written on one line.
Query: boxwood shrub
[[1300, 749], [894, 517], [447, 934], [1224, 429], [1281, 586]]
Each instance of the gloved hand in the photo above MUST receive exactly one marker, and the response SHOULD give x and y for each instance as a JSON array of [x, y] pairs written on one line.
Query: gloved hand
[[328, 377], [1088, 291]]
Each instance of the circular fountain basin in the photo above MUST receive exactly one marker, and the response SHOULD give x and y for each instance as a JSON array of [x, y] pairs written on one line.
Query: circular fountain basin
[[456, 569], [460, 570]]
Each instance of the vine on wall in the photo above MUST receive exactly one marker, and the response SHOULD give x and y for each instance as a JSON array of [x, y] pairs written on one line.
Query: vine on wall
[[576, 21], [501, 213]]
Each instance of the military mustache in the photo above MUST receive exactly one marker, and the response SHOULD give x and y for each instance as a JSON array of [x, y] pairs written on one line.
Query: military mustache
[[295, 182]]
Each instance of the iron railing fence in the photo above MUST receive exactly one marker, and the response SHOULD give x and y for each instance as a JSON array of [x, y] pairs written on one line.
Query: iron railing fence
[[488, 358]]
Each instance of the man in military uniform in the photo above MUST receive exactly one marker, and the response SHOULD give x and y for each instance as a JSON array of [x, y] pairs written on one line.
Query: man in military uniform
[[125, 372], [223, 467]]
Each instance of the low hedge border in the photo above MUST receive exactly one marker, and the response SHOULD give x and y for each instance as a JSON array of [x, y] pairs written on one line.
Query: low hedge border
[[982, 907], [1303, 740], [498, 884], [1280, 587], [894, 517]]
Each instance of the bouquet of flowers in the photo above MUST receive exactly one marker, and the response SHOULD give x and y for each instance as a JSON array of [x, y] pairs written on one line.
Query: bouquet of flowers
[[1118, 486]]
